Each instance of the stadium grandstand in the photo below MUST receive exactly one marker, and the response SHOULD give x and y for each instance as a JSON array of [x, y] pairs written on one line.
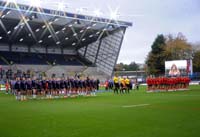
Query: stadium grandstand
[[58, 42]]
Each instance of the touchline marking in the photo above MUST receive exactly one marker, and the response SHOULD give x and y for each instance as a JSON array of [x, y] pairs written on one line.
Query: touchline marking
[[190, 95], [139, 105]]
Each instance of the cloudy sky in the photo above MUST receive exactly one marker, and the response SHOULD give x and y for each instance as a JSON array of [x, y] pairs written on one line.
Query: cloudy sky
[[149, 18]]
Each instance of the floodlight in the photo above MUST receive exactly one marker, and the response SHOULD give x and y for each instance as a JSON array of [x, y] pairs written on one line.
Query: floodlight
[[33, 16], [64, 29], [40, 41], [36, 3], [49, 36], [37, 30], [21, 39], [58, 42], [56, 19], [114, 14], [8, 12], [81, 31], [11, 1], [61, 6], [94, 24], [88, 27], [16, 27], [43, 26], [27, 19], [3, 16], [9, 32], [97, 13], [104, 29]]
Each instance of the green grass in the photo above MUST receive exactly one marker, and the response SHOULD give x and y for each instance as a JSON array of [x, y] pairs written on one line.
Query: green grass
[[174, 114]]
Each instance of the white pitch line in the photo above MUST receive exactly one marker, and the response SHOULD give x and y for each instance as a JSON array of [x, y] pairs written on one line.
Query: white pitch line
[[138, 105], [189, 95]]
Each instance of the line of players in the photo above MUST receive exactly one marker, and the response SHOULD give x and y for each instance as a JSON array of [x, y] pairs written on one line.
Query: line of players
[[167, 84], [56, 87], [122, 85]]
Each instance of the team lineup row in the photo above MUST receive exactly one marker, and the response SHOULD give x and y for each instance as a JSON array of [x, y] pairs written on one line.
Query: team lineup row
[[167, 84], [48, 88]]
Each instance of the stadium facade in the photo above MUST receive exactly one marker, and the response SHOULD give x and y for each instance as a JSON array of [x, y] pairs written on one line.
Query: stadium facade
[[33, 36]]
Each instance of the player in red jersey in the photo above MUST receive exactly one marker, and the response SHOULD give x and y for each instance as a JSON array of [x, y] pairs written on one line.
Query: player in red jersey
[[187, 81], [149, 84], [171, 82], [165, 81]]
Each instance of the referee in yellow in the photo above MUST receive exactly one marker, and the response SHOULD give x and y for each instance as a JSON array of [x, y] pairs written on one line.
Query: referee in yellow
[[116, 84], [127, 81]]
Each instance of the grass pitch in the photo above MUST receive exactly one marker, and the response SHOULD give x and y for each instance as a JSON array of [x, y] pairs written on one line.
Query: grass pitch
[[139, 114]]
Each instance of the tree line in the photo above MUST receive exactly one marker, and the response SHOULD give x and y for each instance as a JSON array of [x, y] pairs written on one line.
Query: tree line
[[169, 47], [133, 66]]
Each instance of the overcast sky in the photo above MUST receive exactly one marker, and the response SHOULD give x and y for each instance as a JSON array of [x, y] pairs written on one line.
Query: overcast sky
[[149, 18]]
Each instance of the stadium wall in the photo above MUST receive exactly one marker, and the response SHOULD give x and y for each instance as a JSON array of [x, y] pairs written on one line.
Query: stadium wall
[[104, 52]]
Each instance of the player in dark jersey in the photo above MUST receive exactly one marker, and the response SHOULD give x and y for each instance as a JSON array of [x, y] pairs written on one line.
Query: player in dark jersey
[[39, 87], [62, 87], [34, 88], [46, 87], [53, 86], [72, 86], [93, 87], [58, 89], [80, 84], [43, 89], [97, 84], [29, 87], [76, 86], [67, 86], [23, 86], [84, 89], [49, 88], [17, 88], [88, 86]]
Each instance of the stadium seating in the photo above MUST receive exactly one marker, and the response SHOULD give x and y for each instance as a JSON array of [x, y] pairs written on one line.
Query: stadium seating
[[38, 59]]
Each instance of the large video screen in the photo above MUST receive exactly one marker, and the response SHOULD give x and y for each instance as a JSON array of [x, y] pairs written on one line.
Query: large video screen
[[178, 67]]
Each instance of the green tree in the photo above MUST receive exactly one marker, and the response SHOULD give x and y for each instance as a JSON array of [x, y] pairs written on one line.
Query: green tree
[[165, 49], [119, 67], [196, 61], [196, 57], [133, 66], [155, 59], [177, 48]]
